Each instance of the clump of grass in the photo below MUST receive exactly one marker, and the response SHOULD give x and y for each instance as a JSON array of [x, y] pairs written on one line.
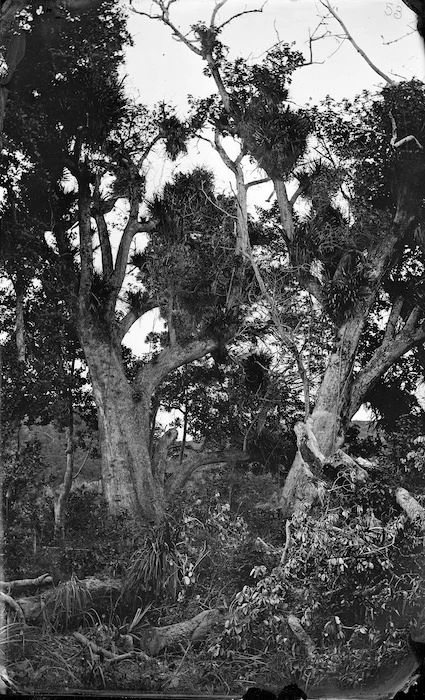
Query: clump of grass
[[153, 569], [66, 604]]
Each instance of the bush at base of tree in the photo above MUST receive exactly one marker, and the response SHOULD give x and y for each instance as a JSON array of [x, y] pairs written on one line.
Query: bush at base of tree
[[352, 576]]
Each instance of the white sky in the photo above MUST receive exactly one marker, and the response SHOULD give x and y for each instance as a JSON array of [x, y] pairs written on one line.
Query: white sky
[[160, 68]]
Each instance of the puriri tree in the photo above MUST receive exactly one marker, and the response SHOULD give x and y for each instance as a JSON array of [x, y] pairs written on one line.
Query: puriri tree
[[86, 146], [362, 230]]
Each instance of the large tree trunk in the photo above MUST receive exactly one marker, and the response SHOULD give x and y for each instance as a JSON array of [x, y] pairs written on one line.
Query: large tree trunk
[[323, 432], [341, 394], [127, 477], [330, 413]]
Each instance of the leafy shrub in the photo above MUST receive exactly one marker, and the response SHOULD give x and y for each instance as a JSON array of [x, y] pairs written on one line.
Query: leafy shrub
[[352, 579], [111, 537], [27, 512]]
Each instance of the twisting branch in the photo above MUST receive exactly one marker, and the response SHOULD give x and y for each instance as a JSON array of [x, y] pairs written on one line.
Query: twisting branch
[[396, 142], [330, 9], [132, 316]]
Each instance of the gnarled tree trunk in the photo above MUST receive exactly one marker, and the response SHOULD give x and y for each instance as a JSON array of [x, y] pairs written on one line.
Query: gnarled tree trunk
[[342, 391], [127, 478]]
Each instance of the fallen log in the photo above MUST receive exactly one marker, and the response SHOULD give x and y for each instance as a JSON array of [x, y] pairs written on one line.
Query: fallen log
[[9, 602], [152, 640], [100, 596], [18, 584], [300, 633]]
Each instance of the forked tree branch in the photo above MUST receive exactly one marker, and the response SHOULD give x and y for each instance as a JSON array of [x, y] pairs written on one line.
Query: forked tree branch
[[411, 335], [218, 5], [164, 17]]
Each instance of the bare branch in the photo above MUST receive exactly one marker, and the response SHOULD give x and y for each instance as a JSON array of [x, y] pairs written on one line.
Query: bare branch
[[395, 41], [254, 183], [328, 6], [225, 97], [311, 39], [396, 142], [223, 154], [165, 18], [240, 14], [218, 5], [150, 145]]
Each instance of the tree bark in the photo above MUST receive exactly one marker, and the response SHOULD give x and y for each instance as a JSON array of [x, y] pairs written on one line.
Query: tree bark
[[17, 584], [414, 511], [61, 496], [20, 327], [341, 393], [155, 639], [127, 478]]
